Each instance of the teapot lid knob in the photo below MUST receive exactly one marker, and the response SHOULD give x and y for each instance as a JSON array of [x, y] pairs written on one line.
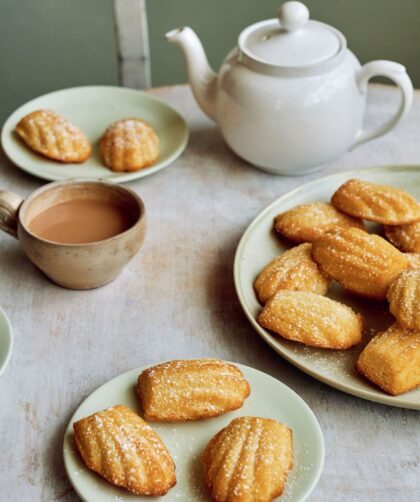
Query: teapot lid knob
[[293, 15]]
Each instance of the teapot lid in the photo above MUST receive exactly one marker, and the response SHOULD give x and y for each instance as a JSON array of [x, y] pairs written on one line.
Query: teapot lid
[[291, 43]]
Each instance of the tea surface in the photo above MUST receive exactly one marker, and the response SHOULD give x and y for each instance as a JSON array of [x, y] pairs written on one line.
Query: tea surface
[[79, 221]]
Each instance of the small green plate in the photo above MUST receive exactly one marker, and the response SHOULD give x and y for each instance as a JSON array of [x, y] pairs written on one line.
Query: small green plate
[[93, 109], [6, 340], [186, 441], [259, 245]]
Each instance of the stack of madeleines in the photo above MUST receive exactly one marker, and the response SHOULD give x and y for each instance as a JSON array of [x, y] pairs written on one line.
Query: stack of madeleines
[[127, 145], [335, 245], [248, 460]]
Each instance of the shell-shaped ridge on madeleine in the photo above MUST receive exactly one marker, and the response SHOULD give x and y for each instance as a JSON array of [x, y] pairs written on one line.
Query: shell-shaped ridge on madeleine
[[363, 263], [53, 136], [249, 460], [404, 299], [129, 145], [405, 237], [120, 446], [292, 270], [379, 203]]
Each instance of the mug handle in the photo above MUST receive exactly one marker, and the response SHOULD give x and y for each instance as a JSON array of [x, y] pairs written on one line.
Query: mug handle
[[397, 74], [9, 209]]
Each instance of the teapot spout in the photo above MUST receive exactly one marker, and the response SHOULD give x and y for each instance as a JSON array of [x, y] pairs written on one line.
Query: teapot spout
[[202, 78]]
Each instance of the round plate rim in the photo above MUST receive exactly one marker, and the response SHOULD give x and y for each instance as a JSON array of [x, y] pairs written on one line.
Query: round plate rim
[[317, 428], [269, 339], [116, 178], [6, 360]]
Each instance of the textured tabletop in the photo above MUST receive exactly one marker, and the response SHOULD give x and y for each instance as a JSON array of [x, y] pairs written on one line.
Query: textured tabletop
[[176, 299]]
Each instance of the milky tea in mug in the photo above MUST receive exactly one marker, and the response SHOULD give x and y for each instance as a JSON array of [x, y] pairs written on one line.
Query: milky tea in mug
[[80, 221]]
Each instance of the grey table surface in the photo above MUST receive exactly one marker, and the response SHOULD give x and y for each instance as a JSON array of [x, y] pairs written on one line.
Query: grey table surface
[[176, 299]]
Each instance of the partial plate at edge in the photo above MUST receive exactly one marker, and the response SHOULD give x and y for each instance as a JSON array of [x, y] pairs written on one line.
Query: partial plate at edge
[[6, 340]]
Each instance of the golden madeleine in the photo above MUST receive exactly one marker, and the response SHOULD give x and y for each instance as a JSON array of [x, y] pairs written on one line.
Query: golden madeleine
[[183, 390], [380, 203], [405, 237], [53, 136], [118, 445], [404, 299], [391, 360], [312, 319], [248, 461], [363, 263], [306, 222], [129, 145], [294, 270]]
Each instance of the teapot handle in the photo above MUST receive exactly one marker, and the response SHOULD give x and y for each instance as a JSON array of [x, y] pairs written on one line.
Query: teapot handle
[[397, 74], [9, 208]]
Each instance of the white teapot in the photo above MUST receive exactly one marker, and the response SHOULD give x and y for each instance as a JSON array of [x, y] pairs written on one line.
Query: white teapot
[[291, 96]]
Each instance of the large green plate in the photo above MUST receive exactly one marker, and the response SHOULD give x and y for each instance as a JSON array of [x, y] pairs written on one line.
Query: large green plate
[[259, 245], [186, 441], [93, 109]]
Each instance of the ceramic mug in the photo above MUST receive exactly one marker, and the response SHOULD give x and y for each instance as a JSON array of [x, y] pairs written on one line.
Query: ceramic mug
[[75, 266]]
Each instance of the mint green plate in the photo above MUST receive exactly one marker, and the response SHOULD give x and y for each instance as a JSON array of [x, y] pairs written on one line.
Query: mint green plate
[[186, 441], [259, 245], [6, 340], [93, 109]]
